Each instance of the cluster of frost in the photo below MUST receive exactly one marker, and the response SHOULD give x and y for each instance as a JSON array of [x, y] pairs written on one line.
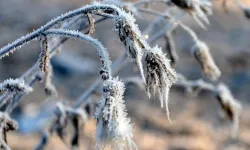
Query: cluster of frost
[[113, 126], [15, 85]]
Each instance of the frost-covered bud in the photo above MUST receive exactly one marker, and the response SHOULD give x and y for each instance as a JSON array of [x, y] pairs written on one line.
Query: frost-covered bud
[[113, 127], [159, 74], [131, 37], [202, 54], [231, 107], [15, 85]]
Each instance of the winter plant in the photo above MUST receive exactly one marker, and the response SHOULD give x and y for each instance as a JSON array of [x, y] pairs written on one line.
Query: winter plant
[[113, 126]]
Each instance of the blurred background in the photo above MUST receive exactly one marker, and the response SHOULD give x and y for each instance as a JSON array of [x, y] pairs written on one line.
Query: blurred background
[[196, 120]]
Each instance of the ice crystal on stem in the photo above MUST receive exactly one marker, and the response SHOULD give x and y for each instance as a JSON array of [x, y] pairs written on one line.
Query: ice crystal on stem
[[159, 75], [113, 126]]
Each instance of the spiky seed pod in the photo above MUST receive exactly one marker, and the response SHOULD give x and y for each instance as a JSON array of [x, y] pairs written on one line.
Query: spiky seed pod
[[131, 37], [202, 54], [159, 74], [15, 85], [231, 107], [113, 127]]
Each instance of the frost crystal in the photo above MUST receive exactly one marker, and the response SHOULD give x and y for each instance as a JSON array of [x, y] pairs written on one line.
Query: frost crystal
[[159, 74], [113, 126], [15, 85]]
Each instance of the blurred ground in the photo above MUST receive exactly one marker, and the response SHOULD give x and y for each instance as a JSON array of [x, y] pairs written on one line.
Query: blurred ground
[[196, 123]]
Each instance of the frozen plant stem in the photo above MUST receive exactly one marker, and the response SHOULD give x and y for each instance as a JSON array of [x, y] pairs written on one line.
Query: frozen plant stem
[[103, 54], [30, 75]]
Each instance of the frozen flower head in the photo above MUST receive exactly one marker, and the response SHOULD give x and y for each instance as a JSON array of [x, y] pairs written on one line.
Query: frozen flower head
[[113, 128], [197, 8], [159, 74], [231, 107], [202, 54], [131, 37]]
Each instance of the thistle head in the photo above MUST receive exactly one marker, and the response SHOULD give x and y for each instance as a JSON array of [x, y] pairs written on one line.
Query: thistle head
[[159, 74], [113, 126], [202, 54]]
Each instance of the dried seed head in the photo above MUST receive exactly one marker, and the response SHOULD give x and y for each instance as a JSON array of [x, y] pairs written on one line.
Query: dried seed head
[[202, 54], [197, 8], [113, 126], [131, 37], [15, 85], [159, 74], [49, 87], [231, 107]]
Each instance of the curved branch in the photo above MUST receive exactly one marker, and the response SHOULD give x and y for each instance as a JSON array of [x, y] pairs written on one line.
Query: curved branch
[[33, 35], [103, 53]]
